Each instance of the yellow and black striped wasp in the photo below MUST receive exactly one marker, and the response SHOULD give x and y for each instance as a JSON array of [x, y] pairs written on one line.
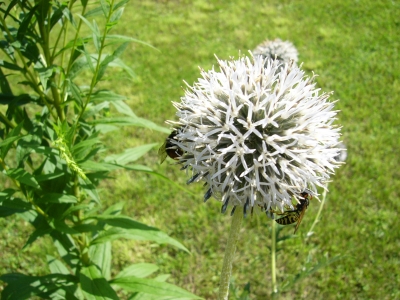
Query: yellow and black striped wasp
[[169, 149], [296, 215]]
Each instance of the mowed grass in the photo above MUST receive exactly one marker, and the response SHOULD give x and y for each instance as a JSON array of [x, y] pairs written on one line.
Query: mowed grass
[[353, 47]]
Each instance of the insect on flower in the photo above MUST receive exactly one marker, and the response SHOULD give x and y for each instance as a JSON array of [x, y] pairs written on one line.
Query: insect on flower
[[297, 214], [169, 148]]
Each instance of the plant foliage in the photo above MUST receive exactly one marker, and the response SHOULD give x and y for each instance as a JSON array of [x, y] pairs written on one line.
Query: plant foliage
[[54, 112]]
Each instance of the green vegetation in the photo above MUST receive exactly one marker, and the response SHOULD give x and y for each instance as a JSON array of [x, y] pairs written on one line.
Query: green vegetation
[[353, 47]]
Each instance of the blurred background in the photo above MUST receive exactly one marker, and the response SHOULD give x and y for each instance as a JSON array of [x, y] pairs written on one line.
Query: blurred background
[[353, 47]]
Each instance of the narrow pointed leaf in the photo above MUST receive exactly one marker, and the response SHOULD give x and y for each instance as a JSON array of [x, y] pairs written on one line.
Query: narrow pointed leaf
[[127, 228], [56, 266], [94, 285], [24, 177], [134, 121], [130, 155], [140, 270], [57, 198], [100, 255], [153, 287]]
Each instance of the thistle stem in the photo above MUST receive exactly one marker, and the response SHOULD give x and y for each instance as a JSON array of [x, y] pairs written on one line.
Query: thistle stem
[[229, 254], [316, 220], [273, 257]]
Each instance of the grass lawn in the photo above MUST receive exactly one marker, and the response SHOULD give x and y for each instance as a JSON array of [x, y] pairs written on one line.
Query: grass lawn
[[353, 46]]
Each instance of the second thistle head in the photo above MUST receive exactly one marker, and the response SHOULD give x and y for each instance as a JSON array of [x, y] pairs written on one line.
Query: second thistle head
[[284, 51]]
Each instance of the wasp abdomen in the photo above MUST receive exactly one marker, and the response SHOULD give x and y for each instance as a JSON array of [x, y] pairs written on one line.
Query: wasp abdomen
[[290, 218]]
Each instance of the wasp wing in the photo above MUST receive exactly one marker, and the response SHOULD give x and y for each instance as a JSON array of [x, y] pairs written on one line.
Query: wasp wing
[[301, 215], [162, 152]]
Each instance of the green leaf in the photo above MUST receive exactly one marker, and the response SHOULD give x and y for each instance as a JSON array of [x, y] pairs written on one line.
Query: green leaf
[[41, 230], [10, 66], [129, 155], [100, 255], [94, 29], [106, 95], [108, 59], [125, 227], [120, 4], [105, 8], [116, 16], [90, 189], [24, 26], [98, 166], [118, 63], [88, 58], [24, 177], [11, 205], [93, 111], [114, 209], [245, 295], [96, 36], [4, 84], [6, 194], [94, 12], [46, 177], [140, 270], [134, 121], [143, 296], [75, 92], [44, 75], [20, 286], [10, 6], [141, 168], [73, 209], [57, 198], [80, 149], [123, 108], [122, 38], [94, 285], [56, 266], [67, 249], [60, 226], [79, 65], [103, 66], [153, 287], [70, 17], [8, 141]]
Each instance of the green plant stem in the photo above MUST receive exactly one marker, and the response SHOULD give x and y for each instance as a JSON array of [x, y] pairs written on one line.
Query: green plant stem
[[273, 257], [229, 254], [45, 33], [102, 46], [77, 32], [316, 220], [6, 120], [63, 32]]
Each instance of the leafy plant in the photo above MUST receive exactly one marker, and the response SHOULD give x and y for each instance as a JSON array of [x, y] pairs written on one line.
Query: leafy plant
[[52, 154]]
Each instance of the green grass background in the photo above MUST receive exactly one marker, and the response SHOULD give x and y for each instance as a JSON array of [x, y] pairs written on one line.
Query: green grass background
[[353, 46]]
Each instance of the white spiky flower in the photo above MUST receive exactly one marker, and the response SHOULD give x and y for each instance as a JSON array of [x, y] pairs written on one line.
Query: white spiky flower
[[257, 132], [283, 51]]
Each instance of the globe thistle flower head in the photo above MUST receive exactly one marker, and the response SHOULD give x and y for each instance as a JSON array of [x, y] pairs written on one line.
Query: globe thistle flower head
[[283, 51], [257, 133]]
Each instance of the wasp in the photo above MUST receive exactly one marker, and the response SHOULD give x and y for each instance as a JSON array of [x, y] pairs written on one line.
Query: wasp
[[169, 149], [297, 214]]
